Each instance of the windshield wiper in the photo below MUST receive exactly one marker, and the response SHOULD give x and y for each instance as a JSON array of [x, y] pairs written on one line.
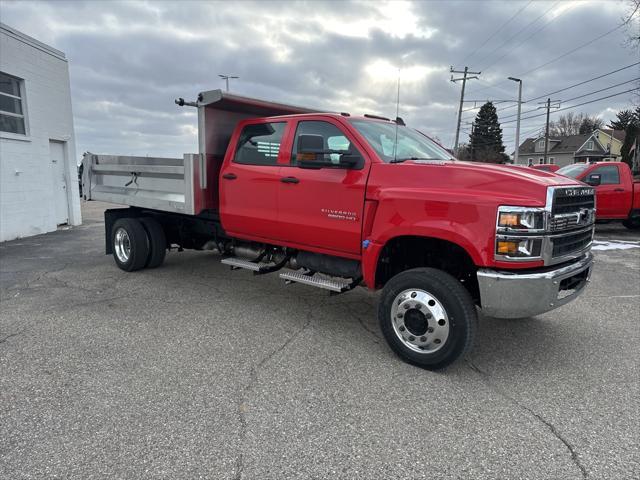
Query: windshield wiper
[[400, 160]]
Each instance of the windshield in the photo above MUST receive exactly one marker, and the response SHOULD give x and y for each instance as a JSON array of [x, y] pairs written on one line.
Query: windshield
[[411, 145], [573, 171]]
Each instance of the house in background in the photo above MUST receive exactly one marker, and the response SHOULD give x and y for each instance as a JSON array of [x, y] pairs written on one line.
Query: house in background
[[38, 173], [601, 145]]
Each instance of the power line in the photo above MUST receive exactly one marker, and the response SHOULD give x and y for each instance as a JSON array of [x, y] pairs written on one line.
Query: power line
[[584, 95], [496, 32], [586, 81], [609, 32], [535, 32], [569, 87], [580, 104]]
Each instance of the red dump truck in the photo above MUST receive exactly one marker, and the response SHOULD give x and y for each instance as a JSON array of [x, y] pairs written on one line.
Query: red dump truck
[[335, 201], [617, 192]]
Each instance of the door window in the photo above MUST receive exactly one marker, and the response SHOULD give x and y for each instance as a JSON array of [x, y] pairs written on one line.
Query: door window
[[259, 144], [608, 174], [334, 139]]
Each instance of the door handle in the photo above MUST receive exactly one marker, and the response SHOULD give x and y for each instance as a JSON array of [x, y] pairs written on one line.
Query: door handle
[[229, 176], [619, 190], [289, 180]]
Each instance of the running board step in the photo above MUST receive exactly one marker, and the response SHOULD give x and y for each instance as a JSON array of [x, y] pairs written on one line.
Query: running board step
[[337, 286], [236, 263]]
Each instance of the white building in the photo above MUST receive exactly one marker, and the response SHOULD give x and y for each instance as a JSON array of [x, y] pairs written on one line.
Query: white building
[[38, 172]]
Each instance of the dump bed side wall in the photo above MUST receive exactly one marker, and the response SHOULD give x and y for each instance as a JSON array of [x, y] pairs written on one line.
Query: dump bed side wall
[[166, 184]]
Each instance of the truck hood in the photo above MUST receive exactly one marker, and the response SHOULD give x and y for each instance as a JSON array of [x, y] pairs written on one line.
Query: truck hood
[[498, 184], [505, 172]]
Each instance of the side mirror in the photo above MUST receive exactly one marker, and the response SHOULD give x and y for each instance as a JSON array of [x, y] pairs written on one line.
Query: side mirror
[[311, 154], [594, 179], [308, 143]]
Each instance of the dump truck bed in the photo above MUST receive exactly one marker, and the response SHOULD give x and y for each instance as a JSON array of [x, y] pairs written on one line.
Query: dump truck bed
[[187, 185]]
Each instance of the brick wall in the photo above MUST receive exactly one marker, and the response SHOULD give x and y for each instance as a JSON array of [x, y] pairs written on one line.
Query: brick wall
[[26, 172]]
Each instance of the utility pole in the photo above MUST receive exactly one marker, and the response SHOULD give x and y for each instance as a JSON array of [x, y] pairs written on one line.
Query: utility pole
[[226, 79], [464, 79], [546, 134], [517, 150]]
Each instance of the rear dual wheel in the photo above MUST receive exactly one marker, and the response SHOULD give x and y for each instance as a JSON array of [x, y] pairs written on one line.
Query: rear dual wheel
[[138, 243], [427, 317]]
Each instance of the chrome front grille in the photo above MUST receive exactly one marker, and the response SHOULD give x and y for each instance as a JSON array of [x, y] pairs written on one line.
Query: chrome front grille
[[572, 215], [567, 244], [567, 200]]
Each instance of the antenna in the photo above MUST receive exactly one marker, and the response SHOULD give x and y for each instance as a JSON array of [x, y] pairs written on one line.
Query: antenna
[[395, 142]]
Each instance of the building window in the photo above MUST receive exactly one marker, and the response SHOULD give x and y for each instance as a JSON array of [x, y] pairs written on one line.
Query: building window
[[590, 145], [541, 144], [552, 160], [530, 161], [11, 106], [541, 161]]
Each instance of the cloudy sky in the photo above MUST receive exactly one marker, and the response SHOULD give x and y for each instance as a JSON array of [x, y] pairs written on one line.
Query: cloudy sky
[[129, 60]]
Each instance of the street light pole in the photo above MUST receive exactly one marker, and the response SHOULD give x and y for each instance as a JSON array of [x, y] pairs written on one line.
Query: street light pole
[[517, 150], [226, 79]]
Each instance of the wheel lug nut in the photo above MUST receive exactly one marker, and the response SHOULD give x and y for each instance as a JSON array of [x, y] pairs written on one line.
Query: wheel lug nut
[[437, 340], [401, 328], [423, 339], [430, 330], [400, 315], [428, 315], [406, 306], [418, 306], [411, 338], [441, 322]]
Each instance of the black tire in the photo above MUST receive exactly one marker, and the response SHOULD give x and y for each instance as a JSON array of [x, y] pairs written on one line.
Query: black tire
[[632, 223], [157, 242], [138, 244], [454, 299]]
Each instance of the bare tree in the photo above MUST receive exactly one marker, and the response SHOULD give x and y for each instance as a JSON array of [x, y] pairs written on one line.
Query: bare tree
[[632, 22], [571, 124], [568, 124]]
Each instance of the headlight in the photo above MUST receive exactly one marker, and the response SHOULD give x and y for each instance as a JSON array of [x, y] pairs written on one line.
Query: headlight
[[519, 233], [518, 247], [520, 219]]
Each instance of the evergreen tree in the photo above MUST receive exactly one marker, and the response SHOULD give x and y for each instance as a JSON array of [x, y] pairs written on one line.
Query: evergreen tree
[[485, 142], [624, 118], [632, 134]]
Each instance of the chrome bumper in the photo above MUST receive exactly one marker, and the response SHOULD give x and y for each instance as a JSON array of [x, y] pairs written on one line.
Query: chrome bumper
[[520, 295]]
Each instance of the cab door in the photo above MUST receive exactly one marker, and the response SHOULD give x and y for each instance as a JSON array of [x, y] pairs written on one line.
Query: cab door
[[249, 182], [612, 199], [323, 207]]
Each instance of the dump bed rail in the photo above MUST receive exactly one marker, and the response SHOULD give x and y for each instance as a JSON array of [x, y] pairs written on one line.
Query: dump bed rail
[[166, 184]]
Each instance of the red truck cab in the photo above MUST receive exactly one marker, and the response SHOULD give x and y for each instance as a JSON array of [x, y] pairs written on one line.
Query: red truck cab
[[617, 192], [335, 201]]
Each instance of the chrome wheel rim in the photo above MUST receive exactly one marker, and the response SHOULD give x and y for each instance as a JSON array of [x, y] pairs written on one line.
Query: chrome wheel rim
[[420, 321], [122, 245]]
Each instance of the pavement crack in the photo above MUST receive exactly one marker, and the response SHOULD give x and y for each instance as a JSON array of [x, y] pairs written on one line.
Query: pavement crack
[[11, 335], [572, 450], [253, 380]]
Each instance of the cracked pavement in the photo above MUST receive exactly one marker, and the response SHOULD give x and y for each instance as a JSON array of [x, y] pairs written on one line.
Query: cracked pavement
[[193, 371]]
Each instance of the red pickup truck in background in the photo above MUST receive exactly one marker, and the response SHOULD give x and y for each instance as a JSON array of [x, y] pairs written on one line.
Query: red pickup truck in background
[[617, 192], [335, 201], [547, 167]]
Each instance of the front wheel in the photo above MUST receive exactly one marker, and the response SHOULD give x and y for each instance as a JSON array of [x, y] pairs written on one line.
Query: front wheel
[[632, 223], [427, 317]]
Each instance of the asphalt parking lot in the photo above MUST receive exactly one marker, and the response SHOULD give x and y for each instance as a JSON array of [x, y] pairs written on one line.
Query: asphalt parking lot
[[193, 371]]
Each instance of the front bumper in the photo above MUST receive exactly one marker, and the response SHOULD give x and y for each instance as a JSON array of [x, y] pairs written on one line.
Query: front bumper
[[519, 295]]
